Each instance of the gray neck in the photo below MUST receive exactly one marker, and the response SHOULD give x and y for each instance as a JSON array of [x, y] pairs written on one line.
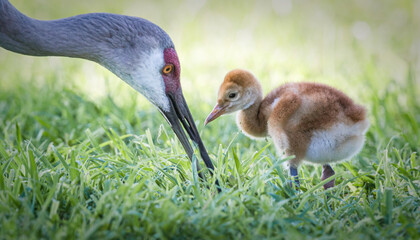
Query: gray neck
[[21, 34], [14, 28], [100, 37]]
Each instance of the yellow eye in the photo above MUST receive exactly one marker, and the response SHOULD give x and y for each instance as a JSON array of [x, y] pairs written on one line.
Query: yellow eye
[[168, 69]]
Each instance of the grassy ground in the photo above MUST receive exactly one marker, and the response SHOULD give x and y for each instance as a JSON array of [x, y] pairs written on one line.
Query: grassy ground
[[84, 156]]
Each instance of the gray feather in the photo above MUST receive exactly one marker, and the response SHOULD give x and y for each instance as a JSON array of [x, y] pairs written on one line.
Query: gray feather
[[100, 37]]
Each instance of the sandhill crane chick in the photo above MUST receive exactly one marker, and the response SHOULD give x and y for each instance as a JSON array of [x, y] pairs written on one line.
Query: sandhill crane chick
[[312, 121]]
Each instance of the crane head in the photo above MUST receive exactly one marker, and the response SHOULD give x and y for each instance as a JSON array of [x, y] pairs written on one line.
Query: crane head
[[158, 79]]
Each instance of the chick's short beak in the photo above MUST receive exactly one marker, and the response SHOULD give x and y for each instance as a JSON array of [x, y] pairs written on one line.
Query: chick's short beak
[[217, 112]]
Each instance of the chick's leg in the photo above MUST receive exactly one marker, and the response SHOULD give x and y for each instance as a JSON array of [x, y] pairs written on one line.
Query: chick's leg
[[327, 172], [294, 175]]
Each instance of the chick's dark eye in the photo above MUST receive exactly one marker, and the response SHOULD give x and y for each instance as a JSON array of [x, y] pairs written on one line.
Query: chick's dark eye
[[232, 95]]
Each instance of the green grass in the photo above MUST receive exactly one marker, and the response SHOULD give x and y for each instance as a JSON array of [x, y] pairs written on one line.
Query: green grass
[[84, 156]]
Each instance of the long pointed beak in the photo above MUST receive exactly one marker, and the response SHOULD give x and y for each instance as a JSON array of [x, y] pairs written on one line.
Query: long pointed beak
[[217, 112], [179, 116]]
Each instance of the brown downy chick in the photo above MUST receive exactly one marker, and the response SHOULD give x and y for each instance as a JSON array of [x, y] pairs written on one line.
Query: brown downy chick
[[312, 121]]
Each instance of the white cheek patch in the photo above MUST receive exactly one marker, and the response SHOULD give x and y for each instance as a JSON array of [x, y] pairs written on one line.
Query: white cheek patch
[[148, 80], [144, 76]]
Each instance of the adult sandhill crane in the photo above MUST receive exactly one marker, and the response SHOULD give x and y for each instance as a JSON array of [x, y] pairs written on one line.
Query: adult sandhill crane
[[136, 50], [313, 122]]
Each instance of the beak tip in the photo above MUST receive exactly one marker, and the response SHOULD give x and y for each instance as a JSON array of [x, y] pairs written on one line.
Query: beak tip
[[217, 111]]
